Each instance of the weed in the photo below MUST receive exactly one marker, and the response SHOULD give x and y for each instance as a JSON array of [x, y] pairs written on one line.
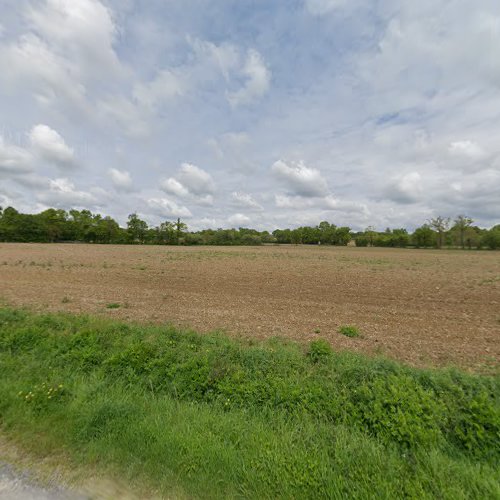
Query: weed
[[319, 350], [113, 305], [349, 331], [65, 300]]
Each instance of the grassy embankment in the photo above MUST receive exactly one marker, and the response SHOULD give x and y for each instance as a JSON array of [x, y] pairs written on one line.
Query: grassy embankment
[[208, 416]]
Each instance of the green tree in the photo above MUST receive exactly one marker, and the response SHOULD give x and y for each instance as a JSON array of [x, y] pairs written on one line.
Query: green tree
[[440, 225], [136, 229], [424, 237], [462, 222]]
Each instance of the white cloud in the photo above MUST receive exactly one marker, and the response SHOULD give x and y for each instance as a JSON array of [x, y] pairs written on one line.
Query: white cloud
[[168, 208], [133, 120], [84, 30], [51, 146], [63, 193], [245, 200], [258, 80], [196, 180], [173, 186], [300, 179], [33, 66], [121, 179], [469, 149], [14, 159], [405, 189], [293, 202], [166, 86], [238, 220]]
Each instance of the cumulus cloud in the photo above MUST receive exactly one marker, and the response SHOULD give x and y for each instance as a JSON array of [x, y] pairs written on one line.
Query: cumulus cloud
[[168, 208], [405, 189], [300, 179], [34, 67], [121, 179], [293, 202], [51, 146], [192, 183], [14, 159], [63, 193], [245, 200], [173, 186], [258, 80], [238, 220], [195, 180], [83, 29]]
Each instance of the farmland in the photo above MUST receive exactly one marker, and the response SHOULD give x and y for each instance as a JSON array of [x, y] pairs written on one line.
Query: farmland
[[113, 371], [422, 307]]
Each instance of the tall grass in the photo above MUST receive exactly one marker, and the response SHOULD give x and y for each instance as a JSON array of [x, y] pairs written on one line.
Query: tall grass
[[211, 417]]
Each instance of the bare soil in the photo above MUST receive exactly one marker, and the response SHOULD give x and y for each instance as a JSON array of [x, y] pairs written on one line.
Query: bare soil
[[424, 307]]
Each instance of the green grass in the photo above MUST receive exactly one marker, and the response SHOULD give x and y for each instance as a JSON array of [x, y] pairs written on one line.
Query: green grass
[[211, 417], [349, 331]]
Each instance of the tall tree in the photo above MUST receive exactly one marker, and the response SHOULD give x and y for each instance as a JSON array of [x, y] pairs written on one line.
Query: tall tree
[[440, 225], [136, 229], [462, 222], [180, 228]]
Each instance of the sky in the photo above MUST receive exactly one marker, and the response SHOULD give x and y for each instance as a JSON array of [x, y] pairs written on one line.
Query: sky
[[253, 113]]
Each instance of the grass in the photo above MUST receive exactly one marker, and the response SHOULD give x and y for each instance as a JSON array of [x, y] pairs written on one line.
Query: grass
[[113, 305], [349, 331], [210, 417]]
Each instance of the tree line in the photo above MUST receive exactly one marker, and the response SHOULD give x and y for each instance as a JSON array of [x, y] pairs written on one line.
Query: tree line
[[56, 225]]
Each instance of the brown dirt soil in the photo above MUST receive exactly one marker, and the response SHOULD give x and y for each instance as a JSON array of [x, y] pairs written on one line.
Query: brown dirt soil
[[424, 307]]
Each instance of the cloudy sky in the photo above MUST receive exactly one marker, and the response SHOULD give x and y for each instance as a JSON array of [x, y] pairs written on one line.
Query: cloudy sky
[[255, 113]]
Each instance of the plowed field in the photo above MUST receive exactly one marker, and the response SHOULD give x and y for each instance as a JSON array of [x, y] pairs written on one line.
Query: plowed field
[[425, 307]]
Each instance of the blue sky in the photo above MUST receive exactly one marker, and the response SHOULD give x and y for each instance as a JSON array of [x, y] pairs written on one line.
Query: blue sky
[[252, 113]]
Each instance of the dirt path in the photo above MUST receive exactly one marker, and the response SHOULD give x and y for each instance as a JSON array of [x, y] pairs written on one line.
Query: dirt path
[[16, 485]]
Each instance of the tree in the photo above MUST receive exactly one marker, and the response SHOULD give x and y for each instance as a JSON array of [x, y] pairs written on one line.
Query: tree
[[462, 222], [107, 230], [440, 225], [424, 237], [370, 235], [491, 238], [136, 229], [166, 233], [180, 228]]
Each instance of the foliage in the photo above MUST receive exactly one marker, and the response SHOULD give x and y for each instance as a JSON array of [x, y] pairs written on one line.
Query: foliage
[[58, 225], [212, 417]]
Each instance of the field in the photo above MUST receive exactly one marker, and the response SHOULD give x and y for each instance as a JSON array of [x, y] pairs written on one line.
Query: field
[[231, 372], [423, 307]]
